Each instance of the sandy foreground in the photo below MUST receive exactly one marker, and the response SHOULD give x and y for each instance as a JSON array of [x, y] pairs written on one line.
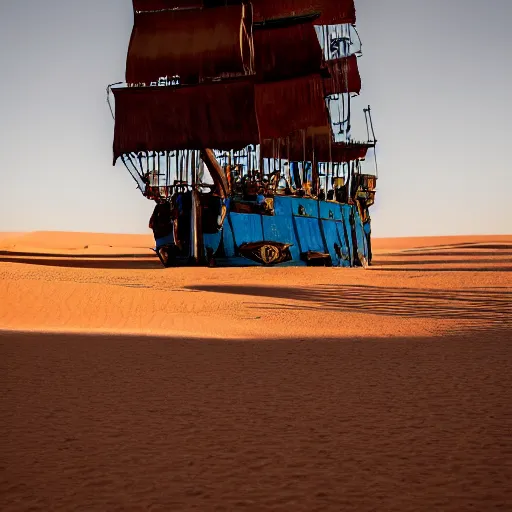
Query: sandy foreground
[[126, 386]]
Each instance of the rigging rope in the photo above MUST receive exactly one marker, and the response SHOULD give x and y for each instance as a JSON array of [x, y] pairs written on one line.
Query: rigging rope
[[109, 89]]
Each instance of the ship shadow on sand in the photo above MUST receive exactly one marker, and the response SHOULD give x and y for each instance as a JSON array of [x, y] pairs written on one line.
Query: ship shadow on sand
[[475, 305], [395, 263], [149, 261], [118, 262], [494, 268]]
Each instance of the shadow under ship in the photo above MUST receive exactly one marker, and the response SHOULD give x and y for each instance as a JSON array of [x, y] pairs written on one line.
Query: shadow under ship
[[235, 118]]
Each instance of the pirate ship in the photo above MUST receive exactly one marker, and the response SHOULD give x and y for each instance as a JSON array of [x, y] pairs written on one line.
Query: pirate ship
[[235, 118]]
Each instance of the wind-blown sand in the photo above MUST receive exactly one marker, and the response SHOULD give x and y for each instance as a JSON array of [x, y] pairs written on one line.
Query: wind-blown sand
[[126, 386]]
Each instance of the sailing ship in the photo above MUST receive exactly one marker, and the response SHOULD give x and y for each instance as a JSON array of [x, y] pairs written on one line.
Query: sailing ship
[[235, 117]]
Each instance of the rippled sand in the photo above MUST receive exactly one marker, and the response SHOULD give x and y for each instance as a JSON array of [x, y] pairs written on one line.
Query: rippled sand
[[255, 389]]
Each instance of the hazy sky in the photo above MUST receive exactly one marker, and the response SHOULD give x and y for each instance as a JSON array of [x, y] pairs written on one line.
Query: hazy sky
[[438, 74]]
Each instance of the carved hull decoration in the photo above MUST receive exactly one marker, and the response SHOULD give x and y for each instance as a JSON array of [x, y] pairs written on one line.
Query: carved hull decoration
[[266, 253]]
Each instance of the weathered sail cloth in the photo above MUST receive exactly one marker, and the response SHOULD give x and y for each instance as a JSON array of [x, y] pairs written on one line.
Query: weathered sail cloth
[[193, 44], [218, 115], [289, 105], [332, 11], [221, 3], [160, 5], [338, 151], [286, 52], [314, 145], [345, 76]]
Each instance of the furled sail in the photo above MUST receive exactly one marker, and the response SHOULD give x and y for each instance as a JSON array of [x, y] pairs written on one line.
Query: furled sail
[[332, 12], [218, 115], [345, 77], [194, 44], [286, 52]]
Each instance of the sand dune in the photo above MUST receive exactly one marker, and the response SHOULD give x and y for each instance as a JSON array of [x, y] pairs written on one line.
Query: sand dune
[[436, 241], [77, 241], [55, 241], [254, 389]]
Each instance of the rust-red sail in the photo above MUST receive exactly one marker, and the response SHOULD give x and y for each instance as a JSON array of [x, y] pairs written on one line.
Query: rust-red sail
[[345, 77], [331, 11], [161, 5], [338, 152], [286, 52], [193, 44], [289, 105], [314, 145], [218, 115]]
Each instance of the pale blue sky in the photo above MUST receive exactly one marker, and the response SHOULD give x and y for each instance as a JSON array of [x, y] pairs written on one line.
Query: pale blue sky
[[437, 73]]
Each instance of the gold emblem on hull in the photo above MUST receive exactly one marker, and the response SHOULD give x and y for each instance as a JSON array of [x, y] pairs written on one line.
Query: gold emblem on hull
[[267, 253]]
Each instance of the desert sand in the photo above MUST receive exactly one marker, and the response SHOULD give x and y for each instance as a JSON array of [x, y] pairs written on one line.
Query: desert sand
[[126, 386]]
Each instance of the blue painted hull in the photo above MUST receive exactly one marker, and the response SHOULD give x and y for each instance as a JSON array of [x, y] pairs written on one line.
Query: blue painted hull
[[331, 232]]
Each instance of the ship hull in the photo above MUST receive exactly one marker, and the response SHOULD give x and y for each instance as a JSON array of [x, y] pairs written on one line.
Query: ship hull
[[292, 231]]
